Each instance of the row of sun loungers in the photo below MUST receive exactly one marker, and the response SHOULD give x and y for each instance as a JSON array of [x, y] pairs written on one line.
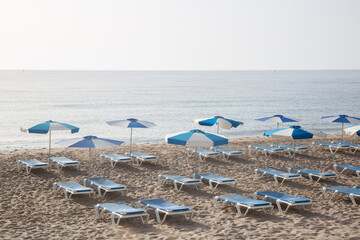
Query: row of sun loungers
[[60, 162]]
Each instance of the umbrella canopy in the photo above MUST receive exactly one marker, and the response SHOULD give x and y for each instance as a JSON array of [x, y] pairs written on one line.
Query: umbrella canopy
[[131, 123], [277, 119], [352, 130], [48, 127], [196, 138], [219, 121], [294, 132], [341, 119], [89, 142]]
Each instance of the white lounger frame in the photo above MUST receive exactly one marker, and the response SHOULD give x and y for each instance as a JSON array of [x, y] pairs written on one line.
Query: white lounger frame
[[227, 155], [120, 216], [217, 183], [316, 146], [28, 167], [142, 160], [60, 165], [202, 156], [266, 151], [238, 205], [69, 191], [311, 175], [289, 204], [99, 188], [112, 160], [188, 213], [276, 177], [161, 181], [345, 168], [351, 195]]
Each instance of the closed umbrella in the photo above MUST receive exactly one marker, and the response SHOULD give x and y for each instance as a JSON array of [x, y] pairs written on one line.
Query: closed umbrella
[[219, 121], [48, 127]]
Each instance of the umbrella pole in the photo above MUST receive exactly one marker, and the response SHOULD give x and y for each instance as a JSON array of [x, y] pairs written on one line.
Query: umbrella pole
[[49, 143], [217, 129], [342, 132], [130, 139], [90, 154]]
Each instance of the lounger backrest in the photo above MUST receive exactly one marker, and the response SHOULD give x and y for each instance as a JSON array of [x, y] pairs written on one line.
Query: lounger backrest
[[164, 205]]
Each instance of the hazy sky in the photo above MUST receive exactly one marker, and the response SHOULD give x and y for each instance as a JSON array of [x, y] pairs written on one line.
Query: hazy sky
[[181, 34]]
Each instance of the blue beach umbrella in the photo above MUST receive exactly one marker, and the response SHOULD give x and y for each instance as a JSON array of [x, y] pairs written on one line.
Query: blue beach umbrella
[[48, 127], [196, 138], [277, 119], [341, 119], [131, 123], [352, 130], [219, 121], [89, 142], [294, 132]]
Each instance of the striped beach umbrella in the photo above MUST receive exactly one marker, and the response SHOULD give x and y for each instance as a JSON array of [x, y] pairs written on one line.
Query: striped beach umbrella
[[89, 142], [277, 119], [131, 123], [294, 132], [352, 130], [219, 121], [48, 127], [196, 138], [341, 119]]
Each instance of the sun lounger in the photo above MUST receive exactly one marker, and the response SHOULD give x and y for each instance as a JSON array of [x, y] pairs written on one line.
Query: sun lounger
[[121, 211], [352, 145], [226, 153], [32, 163], [71, 188], [202, 153], [63, 162], [162, 206], [216, 179], [349, 167], [277, 174], [177, 179], [114, 158], [101, 183], [333, 147], [240, 201], [142, 157], [291, 148], [313, 173], [351, 192], [266, 149], [283, 198]]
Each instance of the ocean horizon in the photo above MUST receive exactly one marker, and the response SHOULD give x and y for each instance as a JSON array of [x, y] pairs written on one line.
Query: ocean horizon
[[170, 99]]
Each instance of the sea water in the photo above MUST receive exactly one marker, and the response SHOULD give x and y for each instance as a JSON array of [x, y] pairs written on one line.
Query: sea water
[[170, 99]]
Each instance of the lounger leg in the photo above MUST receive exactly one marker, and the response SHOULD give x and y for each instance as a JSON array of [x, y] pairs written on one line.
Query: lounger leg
[[66, 195], [159, 180], [324, 193], [216, 202], [238, 209], [276, 180], [27, 169], [247, 210], [113, 220], [99, 191], [181, 186], [175, 186], [279, 206], [283, 181], [287, 208], [97, 211], [158, 216], [358, 173], [351, 196], [318, 179]]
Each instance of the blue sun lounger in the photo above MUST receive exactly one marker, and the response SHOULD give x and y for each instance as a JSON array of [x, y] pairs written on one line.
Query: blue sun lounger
[[351, 192], [121, 211], [277, 174], [349, 167], [114, 158], [142, 157], [240, 201], [216, 179], [202, 153], [266, 149], [313, 173], [291, 148], [101, 183], [352, 145], [63, 162], [333, 147], [177, 179], [283, 198], [162, 206], [71, 188], [32, 163], [226, 153]]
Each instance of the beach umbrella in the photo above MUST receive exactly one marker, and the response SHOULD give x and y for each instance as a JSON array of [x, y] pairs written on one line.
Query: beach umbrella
[[352, 130], [196, 138], [277, 119], [89, 142], [341, 119], [48, 127], [219, 121], [131, 123]]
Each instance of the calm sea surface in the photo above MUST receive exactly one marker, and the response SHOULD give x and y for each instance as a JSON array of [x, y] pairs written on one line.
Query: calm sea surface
[[171, 99]]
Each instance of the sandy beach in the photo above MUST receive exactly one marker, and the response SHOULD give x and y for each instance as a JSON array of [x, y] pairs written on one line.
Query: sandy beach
[[30, 210]]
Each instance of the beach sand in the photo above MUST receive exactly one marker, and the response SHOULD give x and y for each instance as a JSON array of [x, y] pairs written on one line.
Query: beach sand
[[30, 210]]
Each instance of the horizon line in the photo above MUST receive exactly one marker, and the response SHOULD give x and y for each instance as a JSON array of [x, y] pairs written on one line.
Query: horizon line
[[183, 70]]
